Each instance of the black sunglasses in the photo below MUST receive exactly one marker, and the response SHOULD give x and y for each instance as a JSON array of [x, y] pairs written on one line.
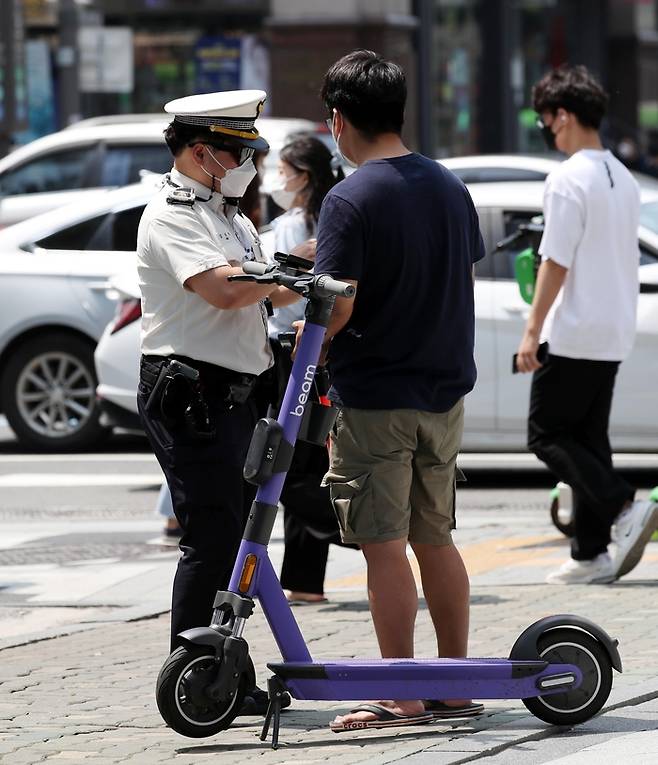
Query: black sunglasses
[[239, 153]]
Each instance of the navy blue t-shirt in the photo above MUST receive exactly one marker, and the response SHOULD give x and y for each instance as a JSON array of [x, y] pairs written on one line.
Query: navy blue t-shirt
[[406, 229]]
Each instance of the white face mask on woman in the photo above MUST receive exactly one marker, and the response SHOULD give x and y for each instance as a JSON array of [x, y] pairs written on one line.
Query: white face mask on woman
[[281, 196], [236, 179]]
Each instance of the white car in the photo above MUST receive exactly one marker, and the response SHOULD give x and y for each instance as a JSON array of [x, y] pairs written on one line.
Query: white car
[[103, 152], [54, 305], [496, 410], [65, 166], [493, 168]]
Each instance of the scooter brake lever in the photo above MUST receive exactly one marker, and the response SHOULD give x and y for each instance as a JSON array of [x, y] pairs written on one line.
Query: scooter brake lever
[[265, 279]]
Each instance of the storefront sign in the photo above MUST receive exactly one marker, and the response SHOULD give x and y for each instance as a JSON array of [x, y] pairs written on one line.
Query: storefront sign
[[106, 59], [217, 63], [40, 13]]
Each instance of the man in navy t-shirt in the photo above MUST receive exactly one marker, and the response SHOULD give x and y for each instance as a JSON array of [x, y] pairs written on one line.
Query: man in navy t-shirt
[[404, 230]]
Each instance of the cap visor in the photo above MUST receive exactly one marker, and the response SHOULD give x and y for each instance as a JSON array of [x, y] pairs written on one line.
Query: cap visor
[[219, 139]]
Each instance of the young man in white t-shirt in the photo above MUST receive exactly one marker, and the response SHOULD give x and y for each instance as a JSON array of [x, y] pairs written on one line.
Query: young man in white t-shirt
[[585, 307]]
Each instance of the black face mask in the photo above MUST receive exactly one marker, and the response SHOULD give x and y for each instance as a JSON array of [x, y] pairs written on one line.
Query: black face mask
[[548, 135]]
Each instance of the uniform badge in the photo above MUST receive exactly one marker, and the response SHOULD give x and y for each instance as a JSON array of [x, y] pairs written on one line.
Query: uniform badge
[[181, 196]]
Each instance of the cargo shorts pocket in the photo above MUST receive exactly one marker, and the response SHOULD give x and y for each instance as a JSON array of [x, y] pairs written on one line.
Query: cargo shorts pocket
[[353, 507], [459, 478]]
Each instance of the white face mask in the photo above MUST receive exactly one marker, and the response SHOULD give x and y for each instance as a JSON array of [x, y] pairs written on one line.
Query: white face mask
[[345, 159], [236, 179], [281, 196]]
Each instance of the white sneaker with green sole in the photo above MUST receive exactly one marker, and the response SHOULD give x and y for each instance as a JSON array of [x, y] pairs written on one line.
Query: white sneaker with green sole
[[601, 570], [631, 532]]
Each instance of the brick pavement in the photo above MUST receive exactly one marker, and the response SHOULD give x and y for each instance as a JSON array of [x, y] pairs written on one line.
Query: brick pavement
[[88, 697]]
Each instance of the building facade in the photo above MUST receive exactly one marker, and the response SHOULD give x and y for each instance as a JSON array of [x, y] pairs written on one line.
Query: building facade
[[470, 63]]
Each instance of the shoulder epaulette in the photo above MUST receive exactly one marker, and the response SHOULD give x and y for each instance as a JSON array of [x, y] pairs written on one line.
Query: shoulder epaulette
[[181, 196]]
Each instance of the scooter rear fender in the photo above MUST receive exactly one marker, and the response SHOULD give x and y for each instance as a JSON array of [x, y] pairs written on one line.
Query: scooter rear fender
[[525, 646]]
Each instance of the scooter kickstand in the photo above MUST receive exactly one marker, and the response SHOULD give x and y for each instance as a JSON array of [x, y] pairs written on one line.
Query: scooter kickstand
[[276, 691]]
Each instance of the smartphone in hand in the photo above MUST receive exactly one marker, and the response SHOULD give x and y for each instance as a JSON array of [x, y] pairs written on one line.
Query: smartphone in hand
[[542, 356]]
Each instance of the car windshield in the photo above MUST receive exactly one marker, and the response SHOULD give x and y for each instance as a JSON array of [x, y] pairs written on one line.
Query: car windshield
[[649, 216]]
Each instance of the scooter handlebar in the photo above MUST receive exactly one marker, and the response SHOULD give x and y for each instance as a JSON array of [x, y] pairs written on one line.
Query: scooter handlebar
[[322, 285], [325, 286]]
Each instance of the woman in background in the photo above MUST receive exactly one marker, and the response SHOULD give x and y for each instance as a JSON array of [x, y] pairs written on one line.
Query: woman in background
[[305, 176]]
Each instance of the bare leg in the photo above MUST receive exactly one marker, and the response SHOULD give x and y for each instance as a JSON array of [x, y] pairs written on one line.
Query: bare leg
[[393, 605], [446, 589], [393, 597]]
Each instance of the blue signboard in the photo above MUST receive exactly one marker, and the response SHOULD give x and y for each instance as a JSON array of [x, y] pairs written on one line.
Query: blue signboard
[[217, 63]]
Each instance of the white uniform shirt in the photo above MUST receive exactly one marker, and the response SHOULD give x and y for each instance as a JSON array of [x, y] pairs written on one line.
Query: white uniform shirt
[[176, 242], [591, 211], [288, 231]]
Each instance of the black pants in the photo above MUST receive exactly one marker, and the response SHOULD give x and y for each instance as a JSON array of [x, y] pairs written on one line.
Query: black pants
[[305, 557], [570, 403], [310, 524], [210, 498]]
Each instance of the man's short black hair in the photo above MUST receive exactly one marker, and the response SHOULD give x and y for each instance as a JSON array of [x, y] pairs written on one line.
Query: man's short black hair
[[178, 135], [575, 89], [368, 90]]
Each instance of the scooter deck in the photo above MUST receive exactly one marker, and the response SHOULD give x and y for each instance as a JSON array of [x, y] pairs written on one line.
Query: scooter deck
[[356, 679]]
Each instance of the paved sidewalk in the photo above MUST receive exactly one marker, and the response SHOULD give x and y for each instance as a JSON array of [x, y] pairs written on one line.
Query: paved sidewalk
[[88, 697]]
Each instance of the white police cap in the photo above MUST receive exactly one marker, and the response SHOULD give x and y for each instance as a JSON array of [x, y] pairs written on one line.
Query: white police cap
[[230, 114]]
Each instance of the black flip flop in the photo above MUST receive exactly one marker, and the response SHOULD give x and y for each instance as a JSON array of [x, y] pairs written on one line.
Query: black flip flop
[[386, 718], [441, 711]]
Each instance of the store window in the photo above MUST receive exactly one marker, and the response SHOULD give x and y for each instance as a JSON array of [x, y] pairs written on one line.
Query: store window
[[455, 52], [543, 45], [164, 68]]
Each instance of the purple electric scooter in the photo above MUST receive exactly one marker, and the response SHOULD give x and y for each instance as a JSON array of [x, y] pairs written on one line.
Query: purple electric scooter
[[560, 667]]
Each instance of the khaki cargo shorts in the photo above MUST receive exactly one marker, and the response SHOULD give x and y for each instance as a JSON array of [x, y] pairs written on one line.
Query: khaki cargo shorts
[[392, 474]]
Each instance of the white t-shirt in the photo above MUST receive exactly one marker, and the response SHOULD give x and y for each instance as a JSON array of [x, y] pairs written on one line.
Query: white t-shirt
[[289, 230], [176, 242], [591, 212]]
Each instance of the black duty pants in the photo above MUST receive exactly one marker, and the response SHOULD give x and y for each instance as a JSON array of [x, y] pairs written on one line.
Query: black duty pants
[[310, 524], [210, 498], [304, 558], [570, 403]]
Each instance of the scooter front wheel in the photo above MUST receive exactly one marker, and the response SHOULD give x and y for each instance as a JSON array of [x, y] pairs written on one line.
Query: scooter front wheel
[[181, 693], [569, 646]]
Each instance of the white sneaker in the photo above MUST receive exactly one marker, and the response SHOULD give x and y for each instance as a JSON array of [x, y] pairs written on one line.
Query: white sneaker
[[601, 570], [631, 532]]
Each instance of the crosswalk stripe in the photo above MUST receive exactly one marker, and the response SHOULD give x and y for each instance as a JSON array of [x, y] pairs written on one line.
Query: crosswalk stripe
[[73, 480], [73, 458]]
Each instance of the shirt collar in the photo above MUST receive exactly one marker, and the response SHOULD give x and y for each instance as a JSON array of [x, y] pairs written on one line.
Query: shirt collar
[[216, 201]]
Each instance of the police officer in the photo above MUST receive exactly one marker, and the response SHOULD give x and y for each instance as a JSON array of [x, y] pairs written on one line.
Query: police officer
[[204, 339]]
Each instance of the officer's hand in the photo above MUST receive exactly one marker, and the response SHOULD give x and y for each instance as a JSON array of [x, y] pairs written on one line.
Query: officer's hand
[[526, 360], [298, 326], [305, 249]]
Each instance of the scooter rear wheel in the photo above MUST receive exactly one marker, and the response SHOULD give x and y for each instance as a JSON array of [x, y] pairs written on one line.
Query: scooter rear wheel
[[570, 646], [181, 693]]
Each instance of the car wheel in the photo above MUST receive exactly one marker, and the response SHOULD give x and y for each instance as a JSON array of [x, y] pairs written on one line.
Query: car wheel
[[49, 393]]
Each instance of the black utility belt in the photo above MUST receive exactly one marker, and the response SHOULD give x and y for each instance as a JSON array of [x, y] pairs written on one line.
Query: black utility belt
[[185, 394], [211, 377]]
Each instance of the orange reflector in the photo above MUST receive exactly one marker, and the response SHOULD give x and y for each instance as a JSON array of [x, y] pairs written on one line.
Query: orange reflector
[[248, 571]]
